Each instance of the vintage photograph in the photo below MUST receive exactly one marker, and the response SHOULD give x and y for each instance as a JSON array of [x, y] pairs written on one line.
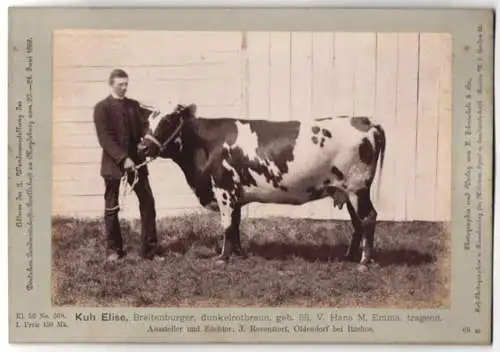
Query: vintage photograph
[[251, 169]]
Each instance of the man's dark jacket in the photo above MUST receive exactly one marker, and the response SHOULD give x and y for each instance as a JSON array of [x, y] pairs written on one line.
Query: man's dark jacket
[[120, 124]]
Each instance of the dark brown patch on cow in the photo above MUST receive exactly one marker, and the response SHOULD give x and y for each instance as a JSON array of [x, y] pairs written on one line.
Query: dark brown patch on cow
[[326, 133], [336, 171], [283, 188], [322, 143], [361, 123], [366, 151], [276, 142], [193, 159], [224, 203], [315, 129], [242, 165], [314, 139], [323, 118], [224, 195], [327, 182]]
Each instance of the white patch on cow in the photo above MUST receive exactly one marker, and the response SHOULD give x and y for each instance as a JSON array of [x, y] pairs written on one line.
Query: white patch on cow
[[224, 205], [246, 140], [154, 120], [272, 167], [364, 252], [227, 166]]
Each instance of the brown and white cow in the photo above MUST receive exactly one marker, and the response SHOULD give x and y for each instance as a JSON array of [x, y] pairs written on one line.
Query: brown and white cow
[[232, 162]]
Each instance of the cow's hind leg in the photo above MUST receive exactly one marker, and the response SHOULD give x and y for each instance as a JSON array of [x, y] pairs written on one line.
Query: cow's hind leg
[[363, 216], [343, 196], [353, 249], [368, 216]]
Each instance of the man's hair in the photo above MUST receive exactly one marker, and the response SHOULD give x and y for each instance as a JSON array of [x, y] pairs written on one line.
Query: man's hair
[[117, 73]]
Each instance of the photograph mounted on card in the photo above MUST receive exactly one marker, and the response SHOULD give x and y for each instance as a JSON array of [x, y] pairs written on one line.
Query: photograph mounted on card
[[308, 179]]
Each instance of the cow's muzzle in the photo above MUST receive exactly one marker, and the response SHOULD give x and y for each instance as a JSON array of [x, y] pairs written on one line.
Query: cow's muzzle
[[143, 150]]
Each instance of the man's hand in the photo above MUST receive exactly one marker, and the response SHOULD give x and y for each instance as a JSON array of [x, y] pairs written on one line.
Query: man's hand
[[128, 164]]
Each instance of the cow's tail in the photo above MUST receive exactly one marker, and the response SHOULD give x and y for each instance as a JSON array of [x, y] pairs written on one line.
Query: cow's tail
[[380, 145]]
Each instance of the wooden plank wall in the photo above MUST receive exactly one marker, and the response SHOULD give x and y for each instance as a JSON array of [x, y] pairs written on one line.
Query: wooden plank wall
[[164, 69], [403, 80]]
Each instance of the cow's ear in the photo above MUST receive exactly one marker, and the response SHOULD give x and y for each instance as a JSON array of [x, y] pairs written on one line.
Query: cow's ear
[[192, 110]]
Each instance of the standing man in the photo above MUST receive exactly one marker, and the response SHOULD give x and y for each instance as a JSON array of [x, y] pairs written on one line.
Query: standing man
[[120, 123]]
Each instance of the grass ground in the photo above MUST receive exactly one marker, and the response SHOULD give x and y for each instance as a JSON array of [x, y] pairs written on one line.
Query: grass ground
[[292, 262]]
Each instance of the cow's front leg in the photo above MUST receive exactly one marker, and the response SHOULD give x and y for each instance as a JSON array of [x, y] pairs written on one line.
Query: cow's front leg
[[230, 233], [230, 214], [235, 235]]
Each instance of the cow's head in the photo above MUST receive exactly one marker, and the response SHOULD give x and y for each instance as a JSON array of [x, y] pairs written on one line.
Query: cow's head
[[163, 137]]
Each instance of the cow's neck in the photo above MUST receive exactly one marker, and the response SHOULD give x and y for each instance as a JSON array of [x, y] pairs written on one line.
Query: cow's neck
[[192, 160]]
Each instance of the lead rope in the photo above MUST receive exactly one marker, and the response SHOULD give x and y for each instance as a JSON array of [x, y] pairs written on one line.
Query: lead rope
[[126, 188], [129, 188]]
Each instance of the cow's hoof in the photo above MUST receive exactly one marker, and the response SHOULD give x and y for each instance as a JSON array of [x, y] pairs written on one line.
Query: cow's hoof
[[220, 262], [362, 268], [241, 253], [365, 261], [350, 257]]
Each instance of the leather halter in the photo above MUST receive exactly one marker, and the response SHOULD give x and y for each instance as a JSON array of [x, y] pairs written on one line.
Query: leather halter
[[164, 145]]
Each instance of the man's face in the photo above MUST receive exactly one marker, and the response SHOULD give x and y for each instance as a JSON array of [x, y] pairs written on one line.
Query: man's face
[[119, 86]]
